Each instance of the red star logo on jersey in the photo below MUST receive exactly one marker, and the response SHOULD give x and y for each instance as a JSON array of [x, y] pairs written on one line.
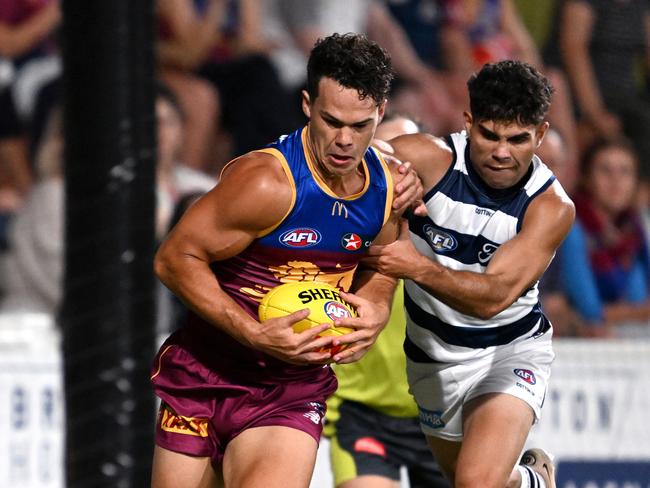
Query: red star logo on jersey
[[351, 242]]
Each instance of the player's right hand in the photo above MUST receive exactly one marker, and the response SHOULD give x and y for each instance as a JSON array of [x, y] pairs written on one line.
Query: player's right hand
[[277, 338]]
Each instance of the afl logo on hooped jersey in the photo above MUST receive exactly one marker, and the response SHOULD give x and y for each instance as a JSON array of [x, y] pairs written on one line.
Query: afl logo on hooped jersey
[[334, 310], [526, 374], [302, 237], [440, 241]]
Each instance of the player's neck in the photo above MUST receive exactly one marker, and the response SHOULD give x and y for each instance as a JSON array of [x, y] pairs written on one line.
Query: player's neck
[[343, 185]]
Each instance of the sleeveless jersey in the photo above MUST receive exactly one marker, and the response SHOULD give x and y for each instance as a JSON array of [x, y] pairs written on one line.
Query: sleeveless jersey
[[467, 223], [321, 238]]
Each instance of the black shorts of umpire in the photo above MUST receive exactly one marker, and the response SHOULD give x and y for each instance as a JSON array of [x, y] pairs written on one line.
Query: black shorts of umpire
[[367, 442]]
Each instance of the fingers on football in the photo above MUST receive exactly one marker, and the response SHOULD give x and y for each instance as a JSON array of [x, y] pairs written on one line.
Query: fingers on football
[[352, 299], [297, 316]]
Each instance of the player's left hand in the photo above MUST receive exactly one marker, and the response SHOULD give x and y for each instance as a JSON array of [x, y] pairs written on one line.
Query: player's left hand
[[399, 259], [371, 320]]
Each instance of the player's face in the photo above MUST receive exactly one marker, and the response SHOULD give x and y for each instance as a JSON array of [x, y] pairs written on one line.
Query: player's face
[[341, 127], [612, 179], [501, 153]]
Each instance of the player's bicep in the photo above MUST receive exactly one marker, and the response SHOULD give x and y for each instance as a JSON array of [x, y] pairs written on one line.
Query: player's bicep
[[249, 199], [521, 261]]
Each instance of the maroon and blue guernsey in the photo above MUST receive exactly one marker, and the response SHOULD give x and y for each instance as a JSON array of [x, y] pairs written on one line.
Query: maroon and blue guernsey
[[212, 387], [321, 238]]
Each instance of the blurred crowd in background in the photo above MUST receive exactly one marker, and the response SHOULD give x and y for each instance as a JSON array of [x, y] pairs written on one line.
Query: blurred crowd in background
[[230, 77]]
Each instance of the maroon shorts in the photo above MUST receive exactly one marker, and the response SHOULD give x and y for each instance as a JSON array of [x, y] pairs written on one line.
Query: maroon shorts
[[203, 410]]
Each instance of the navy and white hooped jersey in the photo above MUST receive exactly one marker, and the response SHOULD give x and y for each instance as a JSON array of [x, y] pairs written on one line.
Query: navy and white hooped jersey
[[467, 223]]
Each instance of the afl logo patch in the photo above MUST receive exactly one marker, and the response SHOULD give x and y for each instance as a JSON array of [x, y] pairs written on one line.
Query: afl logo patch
[[440, 241], [527, 375], [304, 237], [334, 310], [351, 242]]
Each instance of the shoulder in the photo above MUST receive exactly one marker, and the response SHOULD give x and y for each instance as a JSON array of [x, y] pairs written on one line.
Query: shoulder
[[552, 211], [257, 170], [430, 156], [421, 145], [256, 188]]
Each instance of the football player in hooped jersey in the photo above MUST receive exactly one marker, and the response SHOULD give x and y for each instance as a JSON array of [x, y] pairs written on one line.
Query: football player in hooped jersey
[[244, 400], [478, 345]]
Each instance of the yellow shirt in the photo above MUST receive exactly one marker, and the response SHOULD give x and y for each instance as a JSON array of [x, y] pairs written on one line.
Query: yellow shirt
[[378, 380]]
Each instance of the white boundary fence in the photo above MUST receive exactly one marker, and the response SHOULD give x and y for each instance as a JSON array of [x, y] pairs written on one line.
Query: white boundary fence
[[595, 418]]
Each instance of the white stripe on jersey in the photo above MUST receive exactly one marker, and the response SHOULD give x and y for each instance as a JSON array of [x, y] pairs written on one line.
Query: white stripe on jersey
[[471, 219]]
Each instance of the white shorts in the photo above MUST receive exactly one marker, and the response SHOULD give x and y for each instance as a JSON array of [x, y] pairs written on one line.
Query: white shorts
[[440, 389]]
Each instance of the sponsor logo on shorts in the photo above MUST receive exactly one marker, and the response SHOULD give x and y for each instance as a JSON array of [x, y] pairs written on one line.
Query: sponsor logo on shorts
[[335, 310], [303, 237], [431, 418], [527, 375], [170, 421], [525, 387], [370, 445], [316, 412], [440, 241]]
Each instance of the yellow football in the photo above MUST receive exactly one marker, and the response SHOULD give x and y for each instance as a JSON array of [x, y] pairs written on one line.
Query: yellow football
[[323, 301]]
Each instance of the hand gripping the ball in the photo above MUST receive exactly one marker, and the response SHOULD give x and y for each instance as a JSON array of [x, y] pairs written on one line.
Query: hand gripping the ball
[[371, 320], [324, 303], [276, 337]]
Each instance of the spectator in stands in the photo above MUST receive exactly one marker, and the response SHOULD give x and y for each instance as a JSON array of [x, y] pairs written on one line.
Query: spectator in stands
[[174, 178], [27, 59], [565, 318], [34, 259], [220, 41], [422, 21], [612, 285], [486, 31], [600, 43], [34, 262], [419, 89], [180, 28]]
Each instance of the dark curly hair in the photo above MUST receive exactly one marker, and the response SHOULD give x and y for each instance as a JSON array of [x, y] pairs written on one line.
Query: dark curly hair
[[354, 62], [509, 91]]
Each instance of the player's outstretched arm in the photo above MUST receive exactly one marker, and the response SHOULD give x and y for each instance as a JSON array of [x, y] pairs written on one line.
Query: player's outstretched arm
[[513, 268], [254, 194]]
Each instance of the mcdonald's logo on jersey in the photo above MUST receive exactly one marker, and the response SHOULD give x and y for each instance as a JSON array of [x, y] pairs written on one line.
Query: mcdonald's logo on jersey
[[339, 209]]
